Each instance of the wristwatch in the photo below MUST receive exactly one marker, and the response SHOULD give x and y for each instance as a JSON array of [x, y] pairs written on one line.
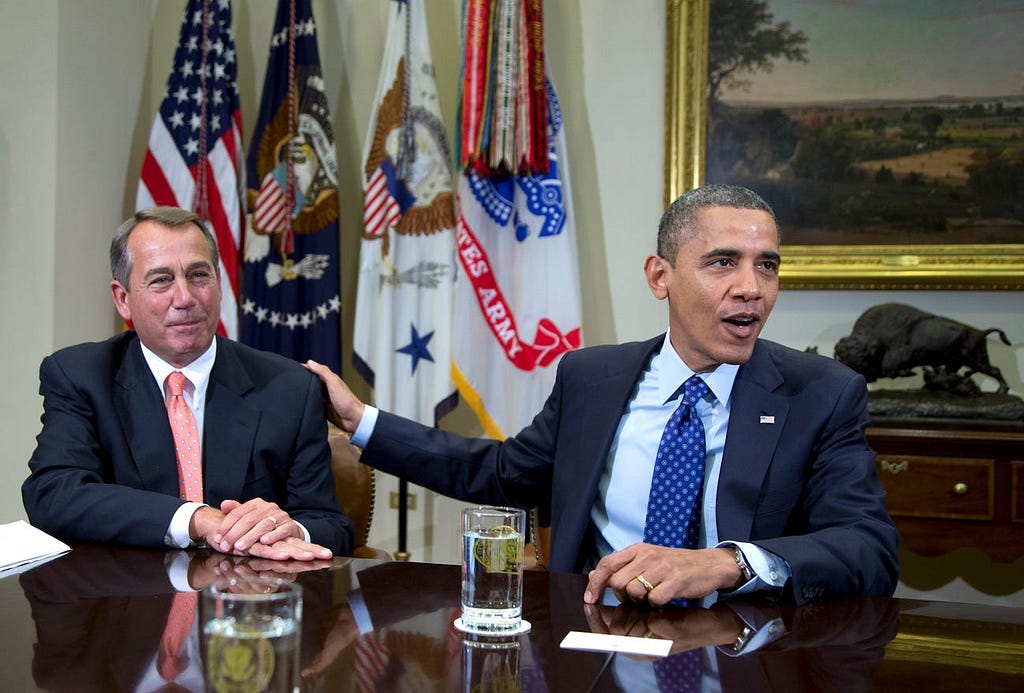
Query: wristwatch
[[742, 638], [748, 574]]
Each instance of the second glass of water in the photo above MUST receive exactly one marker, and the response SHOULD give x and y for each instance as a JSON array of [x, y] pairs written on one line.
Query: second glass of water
[[492, 569], [250, 635]]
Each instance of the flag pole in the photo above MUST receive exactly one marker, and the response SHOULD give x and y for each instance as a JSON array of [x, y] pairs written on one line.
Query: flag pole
[[406, 151], [403, 520]]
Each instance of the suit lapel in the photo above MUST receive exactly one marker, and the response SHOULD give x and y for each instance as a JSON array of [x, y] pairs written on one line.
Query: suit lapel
[[140, 408], [229, 426], [755, 424], [596, 415]]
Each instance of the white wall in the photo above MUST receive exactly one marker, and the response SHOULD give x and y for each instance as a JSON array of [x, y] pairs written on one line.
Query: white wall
[[78, 90], [28, 123]]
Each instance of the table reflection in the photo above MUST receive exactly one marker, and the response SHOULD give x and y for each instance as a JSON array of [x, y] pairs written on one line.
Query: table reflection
[[368, 626]]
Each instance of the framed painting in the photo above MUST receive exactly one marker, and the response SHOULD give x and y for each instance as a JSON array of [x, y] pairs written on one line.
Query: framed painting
[[890, 166]]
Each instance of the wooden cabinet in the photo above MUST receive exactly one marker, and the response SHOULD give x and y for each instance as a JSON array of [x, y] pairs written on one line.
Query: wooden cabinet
[[954, 486]]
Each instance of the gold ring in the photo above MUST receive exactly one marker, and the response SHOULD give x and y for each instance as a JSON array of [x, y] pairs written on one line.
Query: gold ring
[[273, 519], [643, 581]]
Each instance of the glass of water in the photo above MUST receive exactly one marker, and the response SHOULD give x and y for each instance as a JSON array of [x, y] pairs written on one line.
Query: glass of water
[[492, 570], [491, 663], [250, 635]]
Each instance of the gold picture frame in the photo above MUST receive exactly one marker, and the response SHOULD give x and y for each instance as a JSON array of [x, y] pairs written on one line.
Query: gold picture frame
[[988, 266]]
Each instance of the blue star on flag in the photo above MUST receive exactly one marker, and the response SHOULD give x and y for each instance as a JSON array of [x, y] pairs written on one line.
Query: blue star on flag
[[417, 348]]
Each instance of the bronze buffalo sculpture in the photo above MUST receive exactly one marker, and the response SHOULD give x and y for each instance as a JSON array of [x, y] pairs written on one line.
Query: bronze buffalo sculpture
[[890, 340]]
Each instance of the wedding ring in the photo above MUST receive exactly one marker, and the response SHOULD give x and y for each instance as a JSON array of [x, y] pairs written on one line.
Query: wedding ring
[[643, 581], [273, 519]]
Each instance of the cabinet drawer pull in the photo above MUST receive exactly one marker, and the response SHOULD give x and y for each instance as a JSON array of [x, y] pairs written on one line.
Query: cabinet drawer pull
[[960, 488], [895, 467]]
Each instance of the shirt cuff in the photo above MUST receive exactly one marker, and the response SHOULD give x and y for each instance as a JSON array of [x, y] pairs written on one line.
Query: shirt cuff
[[360, 613], [305, 532], [760, 628], [176, 563], [770, 571], [177, 532], [365, 428]]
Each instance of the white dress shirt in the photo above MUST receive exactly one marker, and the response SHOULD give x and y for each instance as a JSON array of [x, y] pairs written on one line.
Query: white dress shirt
[[198, 374]]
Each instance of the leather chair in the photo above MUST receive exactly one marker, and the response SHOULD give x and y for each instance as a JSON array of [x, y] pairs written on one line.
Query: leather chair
[[355, 487]]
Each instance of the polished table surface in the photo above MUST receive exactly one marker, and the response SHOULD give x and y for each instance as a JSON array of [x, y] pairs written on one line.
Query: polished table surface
[[91, 620]]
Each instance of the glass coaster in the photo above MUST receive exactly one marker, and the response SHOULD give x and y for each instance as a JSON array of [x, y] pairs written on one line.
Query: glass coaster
[[523, 627]]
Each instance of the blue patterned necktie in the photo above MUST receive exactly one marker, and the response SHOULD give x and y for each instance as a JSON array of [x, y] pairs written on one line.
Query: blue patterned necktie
[[680, 673], [674, 506]]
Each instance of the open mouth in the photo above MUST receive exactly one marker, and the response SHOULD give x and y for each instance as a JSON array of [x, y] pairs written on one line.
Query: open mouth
[[742, 320]]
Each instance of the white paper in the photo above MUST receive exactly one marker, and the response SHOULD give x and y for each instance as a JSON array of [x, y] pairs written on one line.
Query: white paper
[[21, 544], [599, 642]]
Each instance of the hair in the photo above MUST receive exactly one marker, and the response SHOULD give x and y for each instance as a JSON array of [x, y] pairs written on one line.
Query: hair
[[172, 218], [680, 223]]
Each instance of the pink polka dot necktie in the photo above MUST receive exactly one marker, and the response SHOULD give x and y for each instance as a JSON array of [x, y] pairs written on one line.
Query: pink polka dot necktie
[[674, 505], [173, 655], [186, 440]]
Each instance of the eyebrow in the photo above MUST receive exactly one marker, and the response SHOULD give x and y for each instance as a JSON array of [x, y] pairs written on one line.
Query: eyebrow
[[733, 253], [198, 264]]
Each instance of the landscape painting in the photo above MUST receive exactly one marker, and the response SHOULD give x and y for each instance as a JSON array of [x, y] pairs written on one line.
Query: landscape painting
[[871, 121]]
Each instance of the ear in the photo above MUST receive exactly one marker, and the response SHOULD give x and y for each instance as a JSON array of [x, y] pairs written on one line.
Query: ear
[[120, 296], [656, 270]]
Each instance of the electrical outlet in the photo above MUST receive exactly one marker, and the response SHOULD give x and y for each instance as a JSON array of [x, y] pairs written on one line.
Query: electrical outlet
[[410, 501]]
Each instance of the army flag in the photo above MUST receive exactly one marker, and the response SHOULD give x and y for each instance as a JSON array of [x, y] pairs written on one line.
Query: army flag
[[195, 146], [517, 301], [407, 252], [291, 301]]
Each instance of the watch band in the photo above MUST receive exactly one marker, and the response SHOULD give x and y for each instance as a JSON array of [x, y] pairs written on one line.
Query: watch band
[[741, 561]]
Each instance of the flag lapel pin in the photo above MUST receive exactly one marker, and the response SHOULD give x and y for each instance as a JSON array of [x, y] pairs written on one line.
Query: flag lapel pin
[[766, 419]]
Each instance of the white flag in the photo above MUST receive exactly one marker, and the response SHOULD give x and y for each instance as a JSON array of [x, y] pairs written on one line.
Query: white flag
[[403, 326], [517, 297]]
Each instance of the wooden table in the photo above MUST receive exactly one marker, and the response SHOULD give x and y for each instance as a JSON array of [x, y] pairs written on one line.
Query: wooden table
[[91, 621]]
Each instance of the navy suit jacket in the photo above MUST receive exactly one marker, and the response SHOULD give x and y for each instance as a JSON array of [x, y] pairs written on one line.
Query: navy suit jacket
[[104, 466], [802, 484]]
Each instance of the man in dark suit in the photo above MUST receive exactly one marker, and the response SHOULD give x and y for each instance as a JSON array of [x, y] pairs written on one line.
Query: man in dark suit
[[790, 506], [104, 468]]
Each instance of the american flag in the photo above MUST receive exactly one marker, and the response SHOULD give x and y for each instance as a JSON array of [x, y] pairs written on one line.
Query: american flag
[[195, 147]]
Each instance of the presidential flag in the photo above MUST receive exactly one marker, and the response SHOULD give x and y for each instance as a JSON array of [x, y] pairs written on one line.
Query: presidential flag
[[407, 253], [291, 301], [517, 301], [195, 147]]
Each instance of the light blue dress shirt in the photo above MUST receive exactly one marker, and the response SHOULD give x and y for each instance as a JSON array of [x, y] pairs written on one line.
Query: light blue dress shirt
[[621, 508]]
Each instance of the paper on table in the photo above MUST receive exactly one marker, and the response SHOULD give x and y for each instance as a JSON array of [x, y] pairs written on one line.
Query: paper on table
[[600, 642], [21, 543]]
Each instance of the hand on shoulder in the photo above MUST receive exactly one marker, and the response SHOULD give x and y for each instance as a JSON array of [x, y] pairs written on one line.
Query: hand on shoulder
[[344, 409]]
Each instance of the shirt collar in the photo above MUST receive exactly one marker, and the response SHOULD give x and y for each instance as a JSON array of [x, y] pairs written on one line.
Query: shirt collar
[[197, 372], [672, 373]]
